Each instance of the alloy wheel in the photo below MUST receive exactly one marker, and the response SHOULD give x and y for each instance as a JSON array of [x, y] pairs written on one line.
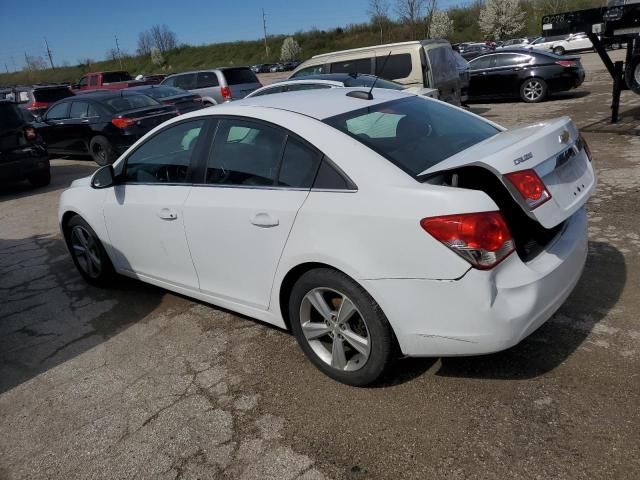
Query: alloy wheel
[[533, 90], [100, 152], [335, 329], [85, 250]]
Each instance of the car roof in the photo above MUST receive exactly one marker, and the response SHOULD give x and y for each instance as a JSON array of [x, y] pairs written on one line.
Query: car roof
[[387, 45], [102, 95], [318, 104]]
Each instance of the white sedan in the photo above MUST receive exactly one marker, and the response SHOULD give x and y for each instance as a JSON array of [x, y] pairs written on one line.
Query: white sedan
[[369, 225]]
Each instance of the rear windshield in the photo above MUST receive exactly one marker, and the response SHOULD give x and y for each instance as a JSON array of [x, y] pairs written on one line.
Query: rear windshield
[[164, 92], [414, 133], [9, 117], [368, 81], [236, 76], [113, 77], [129, 102], [50, 95]]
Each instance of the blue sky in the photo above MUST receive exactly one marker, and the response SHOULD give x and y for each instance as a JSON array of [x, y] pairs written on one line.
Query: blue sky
[[85, 29]]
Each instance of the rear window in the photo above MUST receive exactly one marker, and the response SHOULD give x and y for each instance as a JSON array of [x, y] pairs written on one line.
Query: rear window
[[360, 65], [129, 102], [113, 77], [413, 133], [50, 95], [237, 76], [9, 117], [368, 81]]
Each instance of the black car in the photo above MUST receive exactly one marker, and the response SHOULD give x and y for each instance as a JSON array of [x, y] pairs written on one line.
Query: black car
[[531, 75], [474, 50], [37, 98], [181, 99], [22, 152], [103, 124]]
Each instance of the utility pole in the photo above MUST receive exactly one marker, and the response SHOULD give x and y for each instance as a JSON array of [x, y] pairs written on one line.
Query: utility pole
[[5, 67], [118, 50], [264, 27], [26, 61], [49, 54]]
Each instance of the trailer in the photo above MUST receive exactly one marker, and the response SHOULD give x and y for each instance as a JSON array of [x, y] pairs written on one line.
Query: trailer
[[617, 23]]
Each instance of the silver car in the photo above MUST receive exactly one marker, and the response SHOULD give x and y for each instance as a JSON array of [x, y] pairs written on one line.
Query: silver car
[[216, 85]]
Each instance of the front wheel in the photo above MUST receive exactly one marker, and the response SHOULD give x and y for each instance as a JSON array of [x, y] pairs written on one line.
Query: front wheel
[[87, 252], [101, 151], [533, 90], [558, 51], [340, 328]]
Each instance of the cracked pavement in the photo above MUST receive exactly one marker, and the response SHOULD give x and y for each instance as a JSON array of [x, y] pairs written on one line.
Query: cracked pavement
[[136, 382]]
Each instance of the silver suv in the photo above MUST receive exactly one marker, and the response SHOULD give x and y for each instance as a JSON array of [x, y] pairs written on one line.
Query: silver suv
[[216, 85]]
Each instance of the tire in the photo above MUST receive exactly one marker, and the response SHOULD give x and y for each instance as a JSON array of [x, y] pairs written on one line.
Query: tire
[[320, 336], [533, 90], [101, 151], [558, 50], [88, 253], [632, 74], [40, 179]]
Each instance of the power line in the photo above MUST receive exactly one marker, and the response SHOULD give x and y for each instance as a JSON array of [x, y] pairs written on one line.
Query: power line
[[264, 27], [49, 54]]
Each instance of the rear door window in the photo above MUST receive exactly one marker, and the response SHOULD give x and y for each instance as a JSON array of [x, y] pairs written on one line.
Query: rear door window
[[394, 67], [480, 63], [238, 76], [207, 80], [360, 65], [186, 81], [299, 165], [510, 59], [79, 110]]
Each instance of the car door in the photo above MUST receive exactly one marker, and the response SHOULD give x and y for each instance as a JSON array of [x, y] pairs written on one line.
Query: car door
[[481, 77], [256, 178], [508, 70], [207, 85], [78, 128], [144, 211], [55, 129]]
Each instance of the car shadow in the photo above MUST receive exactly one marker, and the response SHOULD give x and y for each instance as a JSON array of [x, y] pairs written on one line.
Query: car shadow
[[628, 123], [560, 96], [49, 315]]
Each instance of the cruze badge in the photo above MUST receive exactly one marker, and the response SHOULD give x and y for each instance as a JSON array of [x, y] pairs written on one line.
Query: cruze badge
[[522, 159], [564, 137]]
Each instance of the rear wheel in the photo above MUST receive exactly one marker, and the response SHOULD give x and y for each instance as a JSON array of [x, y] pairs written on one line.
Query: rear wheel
[[558, 50], [101, 151], [632, 74], [340, 328], [533, 90], [87, 252]]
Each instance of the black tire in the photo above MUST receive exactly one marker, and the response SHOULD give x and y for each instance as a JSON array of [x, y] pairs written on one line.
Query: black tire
[[558, 50], [104, 275], [632, 74], [101, 151], [533, 90], [40, 179], [381, 341]]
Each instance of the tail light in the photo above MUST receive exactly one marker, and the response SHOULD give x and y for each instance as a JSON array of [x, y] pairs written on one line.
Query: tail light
[[585, 145], [30, 133], [37, 105], [226, 93], [123, 122], [483, 239], [530, 186], [567, 63]]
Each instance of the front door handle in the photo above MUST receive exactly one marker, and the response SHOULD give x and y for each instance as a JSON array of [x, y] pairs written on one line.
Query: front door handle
[[167, 214], [265, 220]]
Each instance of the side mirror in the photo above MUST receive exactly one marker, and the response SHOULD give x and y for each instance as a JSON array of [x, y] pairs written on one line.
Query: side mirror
[[103, 178]]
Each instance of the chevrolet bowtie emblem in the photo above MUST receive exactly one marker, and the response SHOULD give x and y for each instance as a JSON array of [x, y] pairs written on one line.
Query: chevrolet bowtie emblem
[[564, 137]]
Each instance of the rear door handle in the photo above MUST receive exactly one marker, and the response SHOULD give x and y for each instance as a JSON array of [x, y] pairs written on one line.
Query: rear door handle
[[167, 214], [265, 220]]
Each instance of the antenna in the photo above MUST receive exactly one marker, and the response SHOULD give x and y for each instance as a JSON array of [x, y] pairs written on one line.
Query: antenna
[[381, 72]]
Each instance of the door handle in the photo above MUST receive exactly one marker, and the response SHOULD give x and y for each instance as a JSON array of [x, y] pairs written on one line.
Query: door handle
[[167, 214], [85, 121], [265, 220]]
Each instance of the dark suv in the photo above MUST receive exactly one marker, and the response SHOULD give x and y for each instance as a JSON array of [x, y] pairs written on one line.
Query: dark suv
[[37, 98], [22, 153]]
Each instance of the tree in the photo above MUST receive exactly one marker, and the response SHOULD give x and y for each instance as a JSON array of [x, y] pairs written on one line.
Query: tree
[[441, 25], [290, 50], [158, 36], [34, 62], [410, 12], [379, 13], [501, 18], [156, 57], [145, 43]]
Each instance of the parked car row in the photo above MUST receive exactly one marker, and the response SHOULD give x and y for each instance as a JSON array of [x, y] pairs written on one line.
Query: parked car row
[[275, 67]]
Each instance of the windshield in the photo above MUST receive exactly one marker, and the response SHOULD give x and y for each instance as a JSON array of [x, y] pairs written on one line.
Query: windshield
[[129, 102], [361, 81], [414, 133]]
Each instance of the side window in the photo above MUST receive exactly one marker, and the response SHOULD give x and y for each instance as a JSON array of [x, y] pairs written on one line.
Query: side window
[[23, 97], [79, 110], [361, 65], [58, 111], [83, 82], [93, 111], [299, 165], [395, 66], [330, 179], [93, 81], [165, 157], [481, 63], [186, 81], [169, 82], [510, 59], [244, 153], [207, 80], [315, 70]]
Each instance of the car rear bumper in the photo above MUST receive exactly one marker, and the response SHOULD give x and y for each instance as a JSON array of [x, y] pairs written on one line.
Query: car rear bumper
[[484, 311]]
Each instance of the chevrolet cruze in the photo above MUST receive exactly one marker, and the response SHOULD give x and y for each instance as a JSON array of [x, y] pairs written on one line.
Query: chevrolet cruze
[[370, 224]]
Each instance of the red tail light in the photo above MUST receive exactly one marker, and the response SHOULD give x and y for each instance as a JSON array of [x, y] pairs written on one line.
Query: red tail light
[[37, 105], [30, 133], [123, 122], [530, 186], [226, 93], [566, 63], [585, 145], [483, 239]]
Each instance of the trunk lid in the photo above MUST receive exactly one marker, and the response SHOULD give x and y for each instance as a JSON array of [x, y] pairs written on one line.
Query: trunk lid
[[150, 117], [554, 149]]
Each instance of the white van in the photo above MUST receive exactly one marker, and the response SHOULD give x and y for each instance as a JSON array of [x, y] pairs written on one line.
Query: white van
[[421, 63]]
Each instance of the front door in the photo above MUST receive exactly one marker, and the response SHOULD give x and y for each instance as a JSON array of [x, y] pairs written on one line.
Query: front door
[[144, 212], [256, 179]]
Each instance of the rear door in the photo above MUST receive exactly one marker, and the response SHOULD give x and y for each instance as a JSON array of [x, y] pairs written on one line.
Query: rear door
[[79, 130], [241, 81], [508, 69], [256, 178], [207, 85], [481, 75]]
